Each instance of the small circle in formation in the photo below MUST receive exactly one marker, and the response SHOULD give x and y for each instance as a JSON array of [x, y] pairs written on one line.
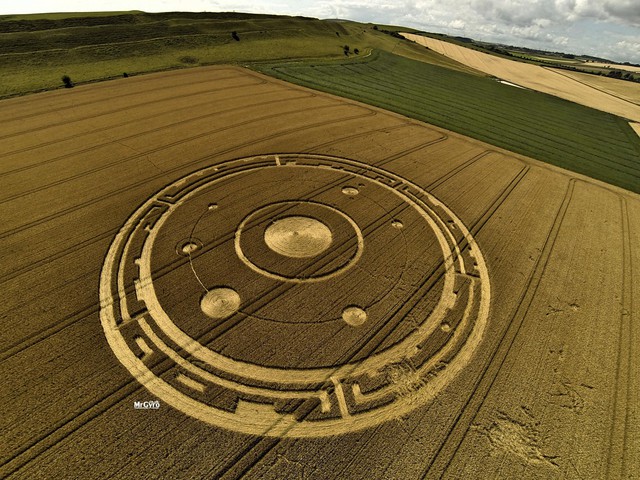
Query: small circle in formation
[[189, 248], [219, 303], [350, 191], [298, 237], [354, 316]]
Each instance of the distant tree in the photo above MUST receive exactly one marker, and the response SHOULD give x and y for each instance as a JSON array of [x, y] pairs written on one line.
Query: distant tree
[[375, 27], [235, 36], [125, 75], [346, 49], [67, 81], [356, 51], [337, 34]]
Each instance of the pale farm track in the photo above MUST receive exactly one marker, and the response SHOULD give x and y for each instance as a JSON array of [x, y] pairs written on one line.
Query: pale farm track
[[65, 196]]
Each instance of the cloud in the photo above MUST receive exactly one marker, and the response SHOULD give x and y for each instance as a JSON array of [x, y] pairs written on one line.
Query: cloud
[[627, 49], [625, 11], [457, 24], [560, 41], [523, 12]]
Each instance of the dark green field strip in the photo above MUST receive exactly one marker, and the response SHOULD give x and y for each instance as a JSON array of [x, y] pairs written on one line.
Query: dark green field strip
[[474, 119], [499, 95], [476, 115], [472, 112], [547, 128], [568, 149], [472, 107]]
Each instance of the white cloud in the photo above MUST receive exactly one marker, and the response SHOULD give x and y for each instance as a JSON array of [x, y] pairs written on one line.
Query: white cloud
[[457, 24], [560, 41], [628, 48]]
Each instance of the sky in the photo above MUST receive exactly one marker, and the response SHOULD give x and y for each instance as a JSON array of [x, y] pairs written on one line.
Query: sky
[[604, 28]]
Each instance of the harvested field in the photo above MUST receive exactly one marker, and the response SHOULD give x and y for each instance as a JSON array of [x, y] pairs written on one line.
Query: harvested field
[[534, 77], [294, 285], [629, 91]]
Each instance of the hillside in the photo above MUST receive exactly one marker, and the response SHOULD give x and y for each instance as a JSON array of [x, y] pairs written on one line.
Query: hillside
[[37, 50]]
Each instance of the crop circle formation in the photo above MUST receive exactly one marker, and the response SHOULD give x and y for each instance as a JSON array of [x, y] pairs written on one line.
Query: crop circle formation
[[294, 295]]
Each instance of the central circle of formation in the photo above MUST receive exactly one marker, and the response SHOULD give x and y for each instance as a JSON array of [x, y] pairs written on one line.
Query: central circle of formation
[[256, 399], [298, 237]]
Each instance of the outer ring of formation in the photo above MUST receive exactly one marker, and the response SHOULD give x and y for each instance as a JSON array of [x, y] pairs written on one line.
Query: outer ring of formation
[[329, 388]]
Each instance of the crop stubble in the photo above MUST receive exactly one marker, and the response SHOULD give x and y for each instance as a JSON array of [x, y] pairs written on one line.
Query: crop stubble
[[553, 368]]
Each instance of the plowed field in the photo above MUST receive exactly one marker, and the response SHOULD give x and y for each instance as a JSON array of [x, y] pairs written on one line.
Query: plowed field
[[535, 78], [209, 273]]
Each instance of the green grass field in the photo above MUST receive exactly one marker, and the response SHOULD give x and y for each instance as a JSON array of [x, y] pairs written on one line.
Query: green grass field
[[36, 50], [30, 17], [541, 126], [35, 53]]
